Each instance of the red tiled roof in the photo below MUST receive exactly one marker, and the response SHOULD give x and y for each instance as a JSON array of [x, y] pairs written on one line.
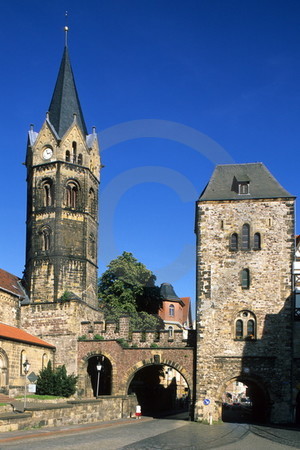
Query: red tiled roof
[[16, 334], [10, 283]]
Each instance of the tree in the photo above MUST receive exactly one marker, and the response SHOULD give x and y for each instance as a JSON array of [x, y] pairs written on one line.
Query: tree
[[128, 287], [56, 382]]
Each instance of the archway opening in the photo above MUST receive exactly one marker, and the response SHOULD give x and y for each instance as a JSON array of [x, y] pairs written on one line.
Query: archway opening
[[297, 418], [100, 372], [160, 389], [245, 401]]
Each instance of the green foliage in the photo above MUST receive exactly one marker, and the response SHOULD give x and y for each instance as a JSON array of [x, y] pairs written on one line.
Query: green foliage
[[153, 345], [66, 297], [97, 337], [128, 287], [82, 338], [123, 343], [56, 382]]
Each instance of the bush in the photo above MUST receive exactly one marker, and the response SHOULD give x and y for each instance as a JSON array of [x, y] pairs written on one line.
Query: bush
[[56, 382], [97, 337]]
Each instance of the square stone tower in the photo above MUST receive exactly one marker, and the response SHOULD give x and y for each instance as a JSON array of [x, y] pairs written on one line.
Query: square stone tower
[[245, 250]]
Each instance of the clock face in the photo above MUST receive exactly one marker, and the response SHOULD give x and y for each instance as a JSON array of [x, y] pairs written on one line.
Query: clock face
[[47, 153]]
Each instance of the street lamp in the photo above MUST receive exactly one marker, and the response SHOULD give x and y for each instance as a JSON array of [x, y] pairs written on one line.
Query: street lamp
[[26, 367], [98, 367]]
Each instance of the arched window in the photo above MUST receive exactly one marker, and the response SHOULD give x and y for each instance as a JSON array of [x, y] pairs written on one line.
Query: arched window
[[92, 202], [170, 330], [47, 193], [74, 149], [3, 370], [46, 232], [245, 278], [257, 241], [245, 237], [68, 156], [22, 361], [239, 329], [80, 159], [234, 241], [72, 194], [44, 361], [92, 245], [245, 325], [171, 310]]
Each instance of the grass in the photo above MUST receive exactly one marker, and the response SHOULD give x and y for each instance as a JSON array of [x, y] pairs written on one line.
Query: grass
[[40, 397]]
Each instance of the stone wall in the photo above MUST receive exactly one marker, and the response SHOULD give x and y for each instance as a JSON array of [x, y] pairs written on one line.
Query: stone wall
[[222, 300], [71, 412], [10, 311]]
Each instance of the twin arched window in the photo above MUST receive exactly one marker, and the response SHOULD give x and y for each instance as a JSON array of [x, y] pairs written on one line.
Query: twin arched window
[[47, 192], [245, 325], [72, 194], [74, 158]]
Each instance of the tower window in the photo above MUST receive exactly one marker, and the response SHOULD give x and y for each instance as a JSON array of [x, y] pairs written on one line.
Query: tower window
[[257, 241], [46, 232], [92, 202], [74, 148], [245, 237], [72, 194], [171, 310], [170, 330], [47, 193], [234, 242], [68, 156], [245, 325], [245, 278], [80, 159], [92, 245]]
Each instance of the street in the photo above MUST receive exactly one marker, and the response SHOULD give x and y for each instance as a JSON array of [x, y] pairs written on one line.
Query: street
[[167, 433]]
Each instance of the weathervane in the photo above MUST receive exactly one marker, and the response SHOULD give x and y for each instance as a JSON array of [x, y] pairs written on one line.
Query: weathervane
[[66, 29]]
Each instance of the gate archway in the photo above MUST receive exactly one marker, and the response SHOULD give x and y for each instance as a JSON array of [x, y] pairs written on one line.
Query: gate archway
[[99, 369], [159, 388]]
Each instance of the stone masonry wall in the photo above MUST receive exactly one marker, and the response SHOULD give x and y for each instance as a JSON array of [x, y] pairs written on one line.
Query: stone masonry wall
[[220, 300]]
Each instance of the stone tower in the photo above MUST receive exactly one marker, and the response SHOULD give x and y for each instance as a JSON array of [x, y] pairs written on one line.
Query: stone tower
[[63, 167], [245, 249]]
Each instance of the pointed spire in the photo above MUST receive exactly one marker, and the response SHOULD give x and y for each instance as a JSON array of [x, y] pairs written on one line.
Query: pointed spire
[[65, 101]]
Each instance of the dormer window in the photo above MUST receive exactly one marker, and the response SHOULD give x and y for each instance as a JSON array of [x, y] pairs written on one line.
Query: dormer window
[[243, 188]]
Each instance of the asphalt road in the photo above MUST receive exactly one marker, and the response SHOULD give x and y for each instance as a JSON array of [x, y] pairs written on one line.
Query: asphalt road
[[167, 433]]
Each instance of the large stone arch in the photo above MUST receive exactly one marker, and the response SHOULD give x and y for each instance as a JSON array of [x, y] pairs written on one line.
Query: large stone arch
[[84, 385], [154, 360]]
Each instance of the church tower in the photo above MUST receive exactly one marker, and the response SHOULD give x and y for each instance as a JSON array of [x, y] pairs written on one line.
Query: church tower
[[63, 166]]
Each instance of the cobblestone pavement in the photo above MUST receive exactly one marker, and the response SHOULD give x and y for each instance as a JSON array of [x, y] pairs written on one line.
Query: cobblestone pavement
[[154, 434]]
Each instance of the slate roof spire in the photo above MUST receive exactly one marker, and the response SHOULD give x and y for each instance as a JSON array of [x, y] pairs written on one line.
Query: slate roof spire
[[65, 101]]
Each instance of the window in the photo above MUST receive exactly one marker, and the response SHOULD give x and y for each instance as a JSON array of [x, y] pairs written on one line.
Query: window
[[257, 241], [74, 148], [47, 196], [245, 325], [72, 194], [92, 202], [92, 246], [46, 232], [80, 159], [243, 188], [68, 156], [245, 279], [245, 237], [234, 241], [44, 361], [171, 310], [22, 361], [170, 330]]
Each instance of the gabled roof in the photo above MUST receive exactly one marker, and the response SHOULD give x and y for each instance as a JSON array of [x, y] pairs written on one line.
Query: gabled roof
[[223, 184], [65, 101], [16, 334], [10, 283]]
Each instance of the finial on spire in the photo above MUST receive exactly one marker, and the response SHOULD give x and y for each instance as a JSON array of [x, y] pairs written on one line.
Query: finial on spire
[[66, 29]]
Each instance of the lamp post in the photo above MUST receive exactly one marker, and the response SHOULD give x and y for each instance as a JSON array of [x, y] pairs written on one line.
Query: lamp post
[[98, 367], [26, 366]]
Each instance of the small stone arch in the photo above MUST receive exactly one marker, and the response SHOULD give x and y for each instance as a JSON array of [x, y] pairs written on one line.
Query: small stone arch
[[84, 383], [3, 371]]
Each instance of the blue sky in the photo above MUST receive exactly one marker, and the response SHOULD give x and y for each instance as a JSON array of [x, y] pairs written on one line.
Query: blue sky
[[185, 84]]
